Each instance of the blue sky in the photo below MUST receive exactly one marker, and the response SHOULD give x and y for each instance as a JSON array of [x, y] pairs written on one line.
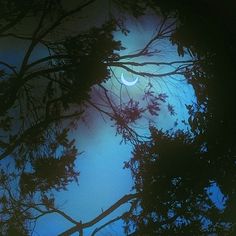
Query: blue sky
[[102, 177]]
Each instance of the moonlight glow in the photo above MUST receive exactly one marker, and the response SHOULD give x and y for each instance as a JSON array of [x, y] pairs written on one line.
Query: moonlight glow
[[128, 83]]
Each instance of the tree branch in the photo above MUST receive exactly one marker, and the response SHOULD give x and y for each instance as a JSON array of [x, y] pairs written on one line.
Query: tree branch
[[48, 71], [60, 19], [35, 40], [120, 202], [54, 210], [14, 21], [125, 215], [156, 63], [35, 129], [146, 74], [106, 224], [46, 59], [12, 68]]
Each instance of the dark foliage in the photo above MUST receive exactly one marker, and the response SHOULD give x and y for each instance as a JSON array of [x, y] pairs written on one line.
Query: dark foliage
[[171, 174], [172, 171]]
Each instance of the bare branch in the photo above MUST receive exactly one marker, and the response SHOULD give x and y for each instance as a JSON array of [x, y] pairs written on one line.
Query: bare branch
[[60, 19], [16, 36], [53, 210], [189, 62], [106, 224], [14, 21], [116, 205], [145, 50], [35, 40], [147, 74], [12, 68], [125, 215]]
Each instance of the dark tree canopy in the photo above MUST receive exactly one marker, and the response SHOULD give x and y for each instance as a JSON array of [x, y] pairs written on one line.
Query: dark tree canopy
[[44, 96], [172, 177], [173, 183]]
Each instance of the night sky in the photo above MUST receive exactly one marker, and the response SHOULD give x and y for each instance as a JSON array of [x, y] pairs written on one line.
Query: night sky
[[102, 178]]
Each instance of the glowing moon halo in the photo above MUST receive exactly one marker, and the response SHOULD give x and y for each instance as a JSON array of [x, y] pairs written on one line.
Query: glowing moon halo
[[128, 83]]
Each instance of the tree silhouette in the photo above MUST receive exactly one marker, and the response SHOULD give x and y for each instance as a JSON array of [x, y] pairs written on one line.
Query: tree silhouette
[[45, 95], [161, 174], [172, 177]]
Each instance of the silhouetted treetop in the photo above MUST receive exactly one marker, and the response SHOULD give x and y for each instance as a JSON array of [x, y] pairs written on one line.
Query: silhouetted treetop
[[64, 71], [173, 178]]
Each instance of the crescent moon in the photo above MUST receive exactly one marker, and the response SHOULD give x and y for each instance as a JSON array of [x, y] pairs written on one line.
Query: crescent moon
[[128, 83]]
